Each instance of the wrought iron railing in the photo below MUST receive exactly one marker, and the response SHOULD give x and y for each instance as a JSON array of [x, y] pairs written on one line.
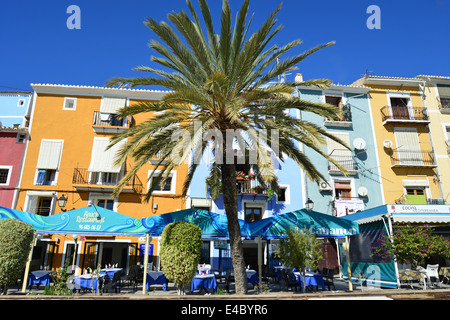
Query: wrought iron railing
[[82, 176], [412, 158], [345, 161], [403, 113], [110, 120]]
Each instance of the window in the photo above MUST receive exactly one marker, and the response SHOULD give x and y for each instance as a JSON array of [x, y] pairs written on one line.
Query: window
[[168, 187], [5, 175], [343, 190], [444, 96], [253, 214], [21, 137], [102, 168], [283, 195], [48, 162], [415, 195], [70, 103], [106, 203], [44, 206], [20, 102], [408, 146]]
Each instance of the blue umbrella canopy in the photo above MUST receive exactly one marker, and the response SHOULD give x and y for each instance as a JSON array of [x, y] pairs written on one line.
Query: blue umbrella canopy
[[212, 224], [86, 220], [323, 225]]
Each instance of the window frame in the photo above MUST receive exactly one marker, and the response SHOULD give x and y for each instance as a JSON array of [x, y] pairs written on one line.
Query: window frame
[[8, 177], [66, 99]]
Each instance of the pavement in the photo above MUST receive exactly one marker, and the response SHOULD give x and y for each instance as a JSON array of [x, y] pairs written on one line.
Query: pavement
[[272, 292]]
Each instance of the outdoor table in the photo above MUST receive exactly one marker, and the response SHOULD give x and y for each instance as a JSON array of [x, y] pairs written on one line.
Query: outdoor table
[[156, 277], [311, 279], [85, 281], [204, 281], [39, 277], [252, 277], [110, 271]]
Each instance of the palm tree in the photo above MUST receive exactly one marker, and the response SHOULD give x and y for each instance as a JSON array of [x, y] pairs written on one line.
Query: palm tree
[[221, 82]]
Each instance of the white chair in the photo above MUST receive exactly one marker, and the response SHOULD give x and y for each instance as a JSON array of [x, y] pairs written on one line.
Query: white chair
[[432, 272]]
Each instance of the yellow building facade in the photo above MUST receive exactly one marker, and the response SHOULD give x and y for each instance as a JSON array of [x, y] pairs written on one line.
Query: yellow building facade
[[66, 155], [401, 124], [436, 95]]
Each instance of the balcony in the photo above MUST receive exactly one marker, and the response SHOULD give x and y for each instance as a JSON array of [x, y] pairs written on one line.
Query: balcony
[[345, 161], [404, 114], [419, 199], [109, 123], [344, 121], [103, 181], [347, 205], [412, 159], [444, 105]]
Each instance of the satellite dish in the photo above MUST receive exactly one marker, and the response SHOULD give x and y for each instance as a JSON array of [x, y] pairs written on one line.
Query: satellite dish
[[362, 191], [387, 144], [359, 144]]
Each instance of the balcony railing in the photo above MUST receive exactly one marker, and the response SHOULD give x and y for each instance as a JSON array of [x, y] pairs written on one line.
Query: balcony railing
[[246, 186], [344, 120], [444, 104], [405, 158], [84, 179], [346, 162], [403, 114], [433, 201], [108, 122]]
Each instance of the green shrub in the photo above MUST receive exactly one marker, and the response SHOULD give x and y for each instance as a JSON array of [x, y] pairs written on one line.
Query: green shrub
[[180, 252], [15, 241]]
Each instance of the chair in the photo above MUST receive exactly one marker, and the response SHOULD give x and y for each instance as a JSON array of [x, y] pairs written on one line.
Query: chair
[[432, 272], [114, 283], [135, 276], [267, 274], [328, 279], [288, 281], [228, 279]]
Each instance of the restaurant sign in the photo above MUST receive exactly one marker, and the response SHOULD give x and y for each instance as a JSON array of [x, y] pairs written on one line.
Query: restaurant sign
[[419, 209]]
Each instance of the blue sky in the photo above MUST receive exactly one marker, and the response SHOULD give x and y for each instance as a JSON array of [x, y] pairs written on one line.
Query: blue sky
[[37, 47]]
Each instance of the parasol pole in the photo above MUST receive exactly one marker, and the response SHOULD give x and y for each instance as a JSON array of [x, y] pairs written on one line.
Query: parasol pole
[[27, 267], [349, 271], [144, 278], [259, 260]]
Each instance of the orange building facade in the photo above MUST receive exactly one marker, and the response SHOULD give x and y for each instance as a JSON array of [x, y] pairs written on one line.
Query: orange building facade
[[66, 157]]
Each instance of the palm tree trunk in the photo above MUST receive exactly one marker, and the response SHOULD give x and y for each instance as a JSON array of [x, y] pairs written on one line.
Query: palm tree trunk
[[234, 229]]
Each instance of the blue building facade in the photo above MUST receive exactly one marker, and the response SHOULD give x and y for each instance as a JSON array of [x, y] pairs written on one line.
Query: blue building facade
[[14, 108], [360, 189]]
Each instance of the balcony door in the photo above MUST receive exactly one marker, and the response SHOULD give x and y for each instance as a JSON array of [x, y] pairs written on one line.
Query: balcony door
[[408, 146]]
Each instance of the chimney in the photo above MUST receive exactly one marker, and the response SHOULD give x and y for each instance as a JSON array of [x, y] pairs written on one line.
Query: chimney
[[298, 77]]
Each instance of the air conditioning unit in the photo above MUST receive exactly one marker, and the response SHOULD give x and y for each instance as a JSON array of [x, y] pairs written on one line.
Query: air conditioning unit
[[324, 186]]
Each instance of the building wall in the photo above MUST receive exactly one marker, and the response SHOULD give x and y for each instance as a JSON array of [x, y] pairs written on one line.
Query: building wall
[[393, 178], [10, 159], [365, 160], [13, 107], [438, 123]]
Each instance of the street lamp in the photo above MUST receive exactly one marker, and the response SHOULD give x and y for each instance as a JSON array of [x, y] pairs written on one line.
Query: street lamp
[[309, 204], [62, 201]]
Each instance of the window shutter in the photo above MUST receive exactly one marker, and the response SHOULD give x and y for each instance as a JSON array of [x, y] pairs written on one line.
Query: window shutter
[[49, 154], [444, 90], [102, 160], [112, 105], [408, 146]]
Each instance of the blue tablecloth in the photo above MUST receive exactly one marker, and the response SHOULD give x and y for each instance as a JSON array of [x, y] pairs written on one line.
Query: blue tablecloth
[[110, 271], [311, 279], [252, 277], [85, 282], [156, 277], [40, 277], [207, 281]]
